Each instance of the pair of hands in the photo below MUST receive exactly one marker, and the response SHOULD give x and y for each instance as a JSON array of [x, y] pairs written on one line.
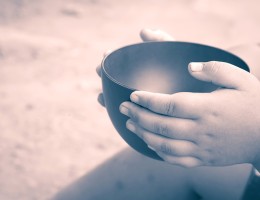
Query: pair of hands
[[200, 129]]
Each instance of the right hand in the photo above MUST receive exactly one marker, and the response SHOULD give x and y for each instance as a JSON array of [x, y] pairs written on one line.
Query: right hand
[[147, 35]]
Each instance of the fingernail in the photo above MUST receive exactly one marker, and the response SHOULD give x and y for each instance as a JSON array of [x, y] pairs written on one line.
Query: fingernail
[[123, 109], [196, 66], [150, 29], [155, 30], [134, 98], [130, 125]]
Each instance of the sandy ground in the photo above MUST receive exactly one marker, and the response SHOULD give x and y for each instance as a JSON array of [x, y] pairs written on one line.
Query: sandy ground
[[52, 130]]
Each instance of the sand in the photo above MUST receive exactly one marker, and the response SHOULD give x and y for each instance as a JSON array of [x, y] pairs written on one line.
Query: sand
[[52, 130]]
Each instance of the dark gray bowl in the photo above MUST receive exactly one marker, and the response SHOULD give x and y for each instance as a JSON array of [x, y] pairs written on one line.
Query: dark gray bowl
[[155, 67]]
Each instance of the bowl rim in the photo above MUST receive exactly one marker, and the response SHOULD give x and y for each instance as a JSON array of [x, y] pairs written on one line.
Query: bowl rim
[[103, 70]]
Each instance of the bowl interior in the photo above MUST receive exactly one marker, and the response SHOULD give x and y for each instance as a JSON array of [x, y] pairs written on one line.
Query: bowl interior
[[162, 66], [155, 67]]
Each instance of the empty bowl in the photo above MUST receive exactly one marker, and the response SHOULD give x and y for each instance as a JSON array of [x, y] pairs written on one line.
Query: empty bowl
[[155, 67]]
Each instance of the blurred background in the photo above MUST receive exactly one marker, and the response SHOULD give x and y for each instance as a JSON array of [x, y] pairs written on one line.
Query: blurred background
[[52, 130]]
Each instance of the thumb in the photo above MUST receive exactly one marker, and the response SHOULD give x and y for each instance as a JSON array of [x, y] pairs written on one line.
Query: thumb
[[155, 35], [221, 73]]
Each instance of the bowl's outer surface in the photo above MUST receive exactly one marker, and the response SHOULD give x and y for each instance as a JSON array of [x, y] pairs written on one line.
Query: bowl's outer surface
[[135, 67]]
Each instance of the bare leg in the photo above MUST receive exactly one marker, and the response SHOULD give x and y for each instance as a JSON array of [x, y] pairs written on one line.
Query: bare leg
[[130, 175], [225, 183]]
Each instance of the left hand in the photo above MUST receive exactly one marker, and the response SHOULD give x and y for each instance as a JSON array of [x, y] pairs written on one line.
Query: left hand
[[194, 129]]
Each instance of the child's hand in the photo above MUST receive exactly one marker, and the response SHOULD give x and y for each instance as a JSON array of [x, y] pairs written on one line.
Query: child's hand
[[146, 35], [193, 129]]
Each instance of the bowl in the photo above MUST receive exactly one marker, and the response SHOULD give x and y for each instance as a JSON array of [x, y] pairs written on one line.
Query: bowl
[[155, 67]]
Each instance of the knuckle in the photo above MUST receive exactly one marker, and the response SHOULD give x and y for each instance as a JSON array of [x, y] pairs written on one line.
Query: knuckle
[[206, 141], [209, 158], [214, 66], [169, 108], [161, 128], [214, 112], [165, 148]]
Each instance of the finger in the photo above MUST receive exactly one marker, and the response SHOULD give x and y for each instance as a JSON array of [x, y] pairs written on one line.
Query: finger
[[187, 162], [154, 35], [101, 100], [163, 144], [98, 70], [221, 74], [107, 52], [175, 128], [183, 105]]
